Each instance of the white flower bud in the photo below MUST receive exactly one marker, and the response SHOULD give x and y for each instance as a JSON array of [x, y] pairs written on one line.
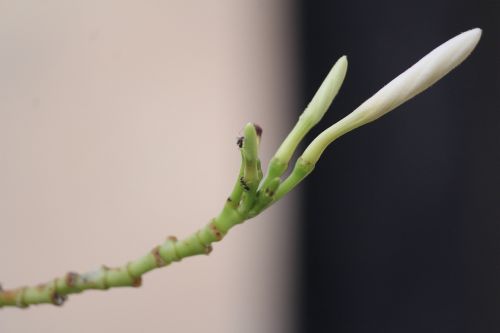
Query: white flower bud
[[413, 81]]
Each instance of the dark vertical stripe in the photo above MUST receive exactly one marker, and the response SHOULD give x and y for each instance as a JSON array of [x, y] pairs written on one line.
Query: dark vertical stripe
[[402, 221]]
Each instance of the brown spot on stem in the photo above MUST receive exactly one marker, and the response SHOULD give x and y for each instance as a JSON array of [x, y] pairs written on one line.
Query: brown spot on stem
[[215, 231], [172, 238], [137, 282], [158, 259], [71, 278], [136, 279], [229, 199], [41, 287], [208, 249], [10, 295], [258, 130], [57, 299], [268, 192]]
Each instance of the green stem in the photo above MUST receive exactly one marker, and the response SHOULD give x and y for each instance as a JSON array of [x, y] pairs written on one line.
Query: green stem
[[250, 195], [234, 198], [130, 274], [251, 173], [301, 170]]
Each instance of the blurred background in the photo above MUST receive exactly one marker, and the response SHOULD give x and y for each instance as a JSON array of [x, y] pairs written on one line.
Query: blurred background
[[118, 127], [401, 221]]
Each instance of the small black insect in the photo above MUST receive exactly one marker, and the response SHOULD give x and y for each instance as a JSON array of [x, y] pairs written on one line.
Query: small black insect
[[239, 142], [244, 184]]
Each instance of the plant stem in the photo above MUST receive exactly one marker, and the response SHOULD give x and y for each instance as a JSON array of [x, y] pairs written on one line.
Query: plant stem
[[128, 275], [250, 195]]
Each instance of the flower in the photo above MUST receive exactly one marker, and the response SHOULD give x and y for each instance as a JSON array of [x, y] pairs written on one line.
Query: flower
[[413, 81]]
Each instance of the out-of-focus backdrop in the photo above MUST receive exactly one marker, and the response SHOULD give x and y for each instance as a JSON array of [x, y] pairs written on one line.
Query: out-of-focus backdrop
[[118, 127], [402, 216]]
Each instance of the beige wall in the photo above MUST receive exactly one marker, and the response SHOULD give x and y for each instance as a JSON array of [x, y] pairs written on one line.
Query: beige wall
[[118, 123]]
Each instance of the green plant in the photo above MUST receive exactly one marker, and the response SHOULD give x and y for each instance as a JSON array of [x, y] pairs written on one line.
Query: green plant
[[253, 191]]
